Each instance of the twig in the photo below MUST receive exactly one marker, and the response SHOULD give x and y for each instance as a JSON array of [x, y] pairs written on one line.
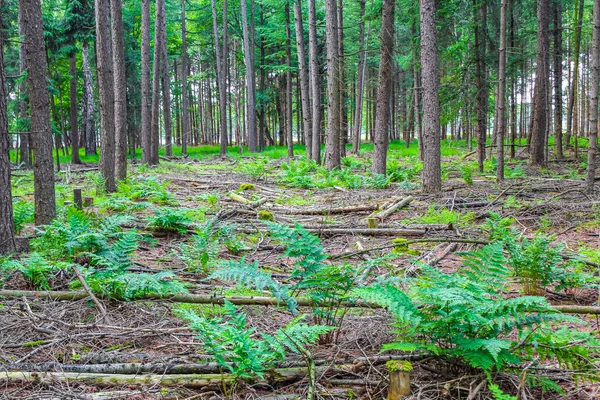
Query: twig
[[97, 302]]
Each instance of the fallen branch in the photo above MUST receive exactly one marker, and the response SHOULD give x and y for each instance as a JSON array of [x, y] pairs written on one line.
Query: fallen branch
[[368, 231], [393, 208], [329, 211], [87, 289]]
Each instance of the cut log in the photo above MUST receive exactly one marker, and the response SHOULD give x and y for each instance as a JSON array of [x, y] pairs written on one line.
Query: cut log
[[393, 208], [329, 211], [368, 232]]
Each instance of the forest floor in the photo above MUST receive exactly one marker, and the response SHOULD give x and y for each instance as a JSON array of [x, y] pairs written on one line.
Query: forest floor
[[144, 349]]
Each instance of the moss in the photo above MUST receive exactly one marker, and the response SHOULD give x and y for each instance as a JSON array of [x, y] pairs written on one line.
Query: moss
[[246, 186], [399, 240], [34, 344], [265, 215], [398, 366]]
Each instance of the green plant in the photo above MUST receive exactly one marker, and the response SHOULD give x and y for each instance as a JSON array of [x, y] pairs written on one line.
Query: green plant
[[467, 315], [444, 216], [242, 350], [167, 219], [23, 213], [203, 249], [35, 269]]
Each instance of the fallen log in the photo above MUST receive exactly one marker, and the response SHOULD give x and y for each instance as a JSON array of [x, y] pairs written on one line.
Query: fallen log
[[328, 211], [237, 300], [393, 208], [368, 231]]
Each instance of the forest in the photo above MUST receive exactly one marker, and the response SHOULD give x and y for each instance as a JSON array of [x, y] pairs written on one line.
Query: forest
[[299, 199]]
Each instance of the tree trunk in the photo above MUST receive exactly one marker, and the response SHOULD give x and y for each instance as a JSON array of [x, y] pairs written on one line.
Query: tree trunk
[[73, 110], [41, 131], [314, 80], [332, 146], [595, 80], [538, 133], [501, 100], [185, 118], [7, 226], [120, 88], [304, 78], [221, 77], [572, 106], [289, 116], [88, 114], [158, 44], [360, 84], [25, 147], [248, 34], [342, 78], [558, 139], [166, 90], [480, 11], [432, 174], [106, 95], [146, 90], [382, 123]]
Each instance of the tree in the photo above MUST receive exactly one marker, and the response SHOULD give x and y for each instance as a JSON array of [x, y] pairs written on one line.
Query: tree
[[332, 145], [501, 100], [39, 105], [558, 103], [538, 133], [146, 90], [360, 82], [106, 94], [304, 78], [595, 80], [185, 118], [166, 87], [221, 67], [432, 172], [7, 226], [480, 10], [248, 34], [89, 122], [382, 123], [288, 82], [25, 147], [120, 89], [158, 59], [314, 80], [572, 109], [73, 110]]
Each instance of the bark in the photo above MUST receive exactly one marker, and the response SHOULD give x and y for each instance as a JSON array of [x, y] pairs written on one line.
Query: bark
[[595, 80], [185, 117], [332, 145], [73, 110], [304, 78], [146, 90], [360, 83], [572, 111], [480, 79], [88, 112], [385, 88], [248, 33], [25, 147], [7, 226], [120, 89], [158, 44], [221, 75], [342, 79], [538, 134], [501, 100], [289, 117], [41, 131], [558, 139], [314, 80], [166, 90], [432, 174], [106, 95]]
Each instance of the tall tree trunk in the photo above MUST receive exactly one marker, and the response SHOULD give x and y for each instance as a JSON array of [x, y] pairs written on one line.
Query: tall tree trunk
[[480, 78], [90, 120], [289, 116], [7, 226], [185, 118], [221, 76], [248, 34], [25, 147], [166, 91], [382, 123], [558, 139], [314, 80], [73, 110], [595, 80], [501, 100], [360, 84], [332, 146], [158, 45], [304, 78], [538, 133], [432, 174], [106, 95], [342, 78], [120, 88], [146, 86], [41, 131], [572, 113]]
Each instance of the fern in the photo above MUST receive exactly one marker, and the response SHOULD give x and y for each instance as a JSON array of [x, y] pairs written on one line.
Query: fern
[[23, 213], [122, 285], [35, 269], [203, 250], [168, 220]]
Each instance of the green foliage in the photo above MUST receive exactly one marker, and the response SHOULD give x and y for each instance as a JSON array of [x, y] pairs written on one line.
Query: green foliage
[[444, 216], [23, 213], [243, 351], [166, 219], [464, 315], [35, 269], [150, 189], [202, 251]]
